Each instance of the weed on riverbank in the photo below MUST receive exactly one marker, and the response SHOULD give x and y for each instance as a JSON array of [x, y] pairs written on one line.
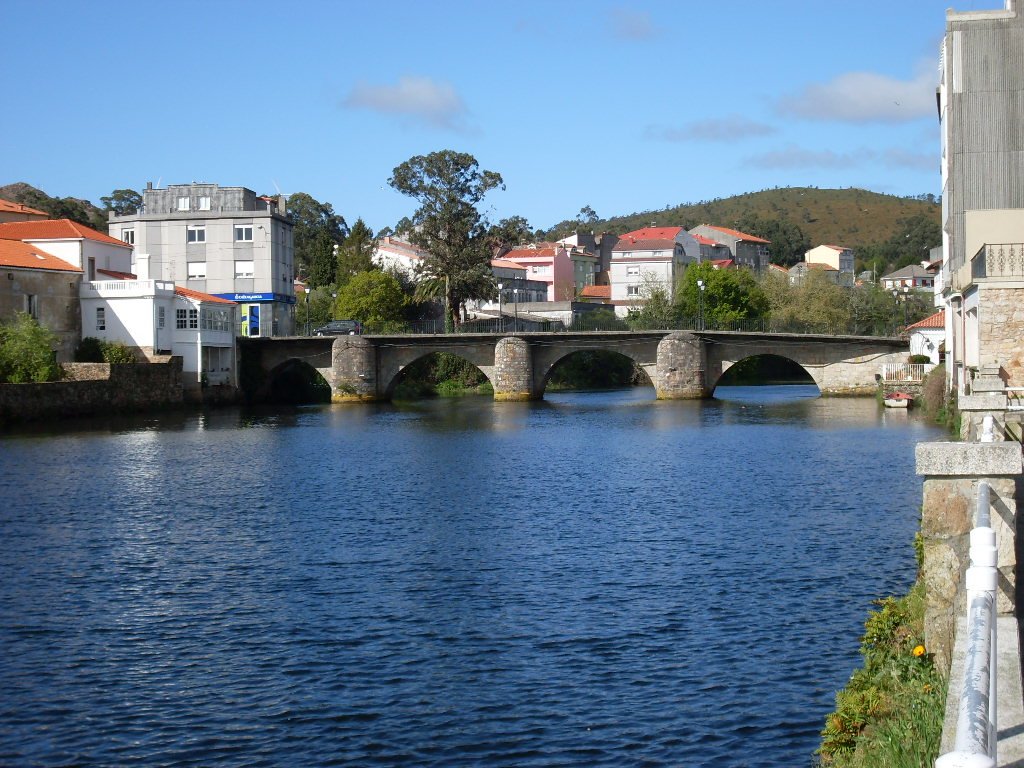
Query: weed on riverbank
[[890, 712]]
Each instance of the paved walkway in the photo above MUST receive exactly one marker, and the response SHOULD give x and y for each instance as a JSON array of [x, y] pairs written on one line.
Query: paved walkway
[[1010, 695]]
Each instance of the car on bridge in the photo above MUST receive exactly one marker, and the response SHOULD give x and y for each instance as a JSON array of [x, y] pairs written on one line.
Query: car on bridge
[[340, 328]]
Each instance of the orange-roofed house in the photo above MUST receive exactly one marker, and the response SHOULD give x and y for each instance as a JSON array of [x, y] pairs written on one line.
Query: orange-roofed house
[[46, 287], [928, 336], [75, 243], [565, 272], [747, 250], [652, 256], [393, 253], [11, 211]]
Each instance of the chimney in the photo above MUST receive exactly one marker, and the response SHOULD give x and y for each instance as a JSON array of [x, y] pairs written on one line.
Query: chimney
[[149, 185]]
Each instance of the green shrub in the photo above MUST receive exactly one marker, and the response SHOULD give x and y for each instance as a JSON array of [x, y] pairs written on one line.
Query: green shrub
[[920, 359], [90, 350], [117, 352], [27, 351]]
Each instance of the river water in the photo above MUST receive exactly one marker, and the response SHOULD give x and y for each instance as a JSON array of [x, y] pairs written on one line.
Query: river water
[[599, 579]]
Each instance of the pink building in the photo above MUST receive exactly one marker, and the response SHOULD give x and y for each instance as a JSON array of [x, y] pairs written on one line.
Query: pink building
[[549, 263]]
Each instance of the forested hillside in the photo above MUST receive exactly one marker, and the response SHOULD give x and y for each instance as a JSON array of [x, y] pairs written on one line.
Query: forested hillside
[[72, 208], [886, 228]]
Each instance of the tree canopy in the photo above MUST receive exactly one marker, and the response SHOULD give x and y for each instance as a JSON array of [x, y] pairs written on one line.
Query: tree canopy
[[374, 298], [731, 296], [448, 185], [123, 202], [355, 254], [317, 229]]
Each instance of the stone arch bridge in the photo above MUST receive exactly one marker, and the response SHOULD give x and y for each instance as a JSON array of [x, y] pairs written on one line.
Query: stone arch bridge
[[681, 364]]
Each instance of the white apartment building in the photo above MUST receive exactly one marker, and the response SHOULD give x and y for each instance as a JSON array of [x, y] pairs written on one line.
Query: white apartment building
[[224, 241], [647, 257]]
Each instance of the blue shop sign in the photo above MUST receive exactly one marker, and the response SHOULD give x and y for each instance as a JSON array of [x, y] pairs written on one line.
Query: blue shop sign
[[246, 298]]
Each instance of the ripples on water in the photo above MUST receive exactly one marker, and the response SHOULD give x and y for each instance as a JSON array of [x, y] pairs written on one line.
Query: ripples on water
[[595, 580]]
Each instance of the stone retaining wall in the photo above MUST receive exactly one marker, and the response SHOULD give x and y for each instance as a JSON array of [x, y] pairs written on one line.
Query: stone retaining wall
[[126, 387]]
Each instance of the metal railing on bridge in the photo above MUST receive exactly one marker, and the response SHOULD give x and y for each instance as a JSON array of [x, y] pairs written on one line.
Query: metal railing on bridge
[[976, 733], [604, 321]]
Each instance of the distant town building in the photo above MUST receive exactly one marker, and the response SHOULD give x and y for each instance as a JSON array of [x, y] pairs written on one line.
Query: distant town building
[[224, 241], [917, 277], [565, 271], [747, 250], [928, 336], [799, 271], [710, 250], [837, 257], [391, 253], [649, 257], [600, 246], [10, 211]]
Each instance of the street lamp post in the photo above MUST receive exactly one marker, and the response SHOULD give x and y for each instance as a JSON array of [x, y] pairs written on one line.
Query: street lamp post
[[501, 318], [515, 296], [700, 305], [307, 309]]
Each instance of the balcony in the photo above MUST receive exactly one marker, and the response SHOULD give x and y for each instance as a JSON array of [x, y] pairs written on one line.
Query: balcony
[[1000, 261]]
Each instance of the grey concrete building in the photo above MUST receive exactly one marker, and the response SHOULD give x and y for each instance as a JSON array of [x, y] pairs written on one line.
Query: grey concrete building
[[225, 241], [981, 111]]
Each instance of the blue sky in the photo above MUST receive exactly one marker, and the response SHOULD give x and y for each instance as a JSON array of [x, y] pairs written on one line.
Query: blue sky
[[623, 106]]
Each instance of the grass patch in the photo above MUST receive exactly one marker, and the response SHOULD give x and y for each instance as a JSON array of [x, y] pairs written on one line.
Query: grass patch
[[890, 713]]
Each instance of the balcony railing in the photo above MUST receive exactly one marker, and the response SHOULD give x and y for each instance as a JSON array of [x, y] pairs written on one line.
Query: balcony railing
[[905, 371], [1004, 260]]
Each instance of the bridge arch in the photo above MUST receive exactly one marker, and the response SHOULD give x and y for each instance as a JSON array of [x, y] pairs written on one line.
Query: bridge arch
[[410, 364], [765, 368], [641, 350], [295, 381], [605, 368]]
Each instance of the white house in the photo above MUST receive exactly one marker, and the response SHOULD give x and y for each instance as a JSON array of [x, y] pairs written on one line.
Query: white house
[[648, 257], [392, 253], [157, 317], [928, 336], [837, 257]]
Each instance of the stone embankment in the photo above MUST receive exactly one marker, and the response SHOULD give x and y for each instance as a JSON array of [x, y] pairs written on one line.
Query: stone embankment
[[93, 389]]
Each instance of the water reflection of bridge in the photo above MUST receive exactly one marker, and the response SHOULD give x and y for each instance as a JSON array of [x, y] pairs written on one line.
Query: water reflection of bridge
[[681, 364]]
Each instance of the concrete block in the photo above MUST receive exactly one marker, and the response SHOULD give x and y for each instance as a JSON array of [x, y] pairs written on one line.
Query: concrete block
[[968, 459]]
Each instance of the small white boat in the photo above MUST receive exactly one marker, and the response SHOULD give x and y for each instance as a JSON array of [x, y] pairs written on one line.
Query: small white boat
[[898, 400]]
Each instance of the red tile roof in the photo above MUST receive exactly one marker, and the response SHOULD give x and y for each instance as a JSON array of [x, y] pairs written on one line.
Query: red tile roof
[[188, 293], [837, 247], [506, 264], [55, 229], [721, 263], [645, 244], [529, 253], [704, 240], [14, 253], [8, 207], [596, 292], [652, 233], [117, 275], [938, 320], [778, 268], [738, 235]]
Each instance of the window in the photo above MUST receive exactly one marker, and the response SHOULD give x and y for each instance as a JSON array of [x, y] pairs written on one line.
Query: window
[[632, 270], [180, 319], [193, 318], [204, 203], [196, 235], [183, 204], [244, 269], [128, 236], [632, 290], [215, 319], [243, 234], [197, 270], [101, 319]]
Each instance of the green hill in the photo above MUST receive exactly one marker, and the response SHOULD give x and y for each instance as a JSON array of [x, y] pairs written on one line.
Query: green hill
[[72, 208], [872, 223]]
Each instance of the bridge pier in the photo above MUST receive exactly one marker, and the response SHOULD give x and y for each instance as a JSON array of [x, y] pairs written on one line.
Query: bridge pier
[[354, 360], [680, 371], [513, 370]]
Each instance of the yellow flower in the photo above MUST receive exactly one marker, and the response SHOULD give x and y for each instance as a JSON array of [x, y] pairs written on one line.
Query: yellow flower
[[919, 650], [927, 688]]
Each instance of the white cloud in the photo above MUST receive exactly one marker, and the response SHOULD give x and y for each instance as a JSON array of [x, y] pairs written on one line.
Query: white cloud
[[628, 24], [918, 161], [731, 128], [861, 97], [419, 98]]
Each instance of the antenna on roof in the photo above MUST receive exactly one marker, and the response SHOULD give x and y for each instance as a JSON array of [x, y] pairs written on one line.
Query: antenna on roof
[[275, 186]]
